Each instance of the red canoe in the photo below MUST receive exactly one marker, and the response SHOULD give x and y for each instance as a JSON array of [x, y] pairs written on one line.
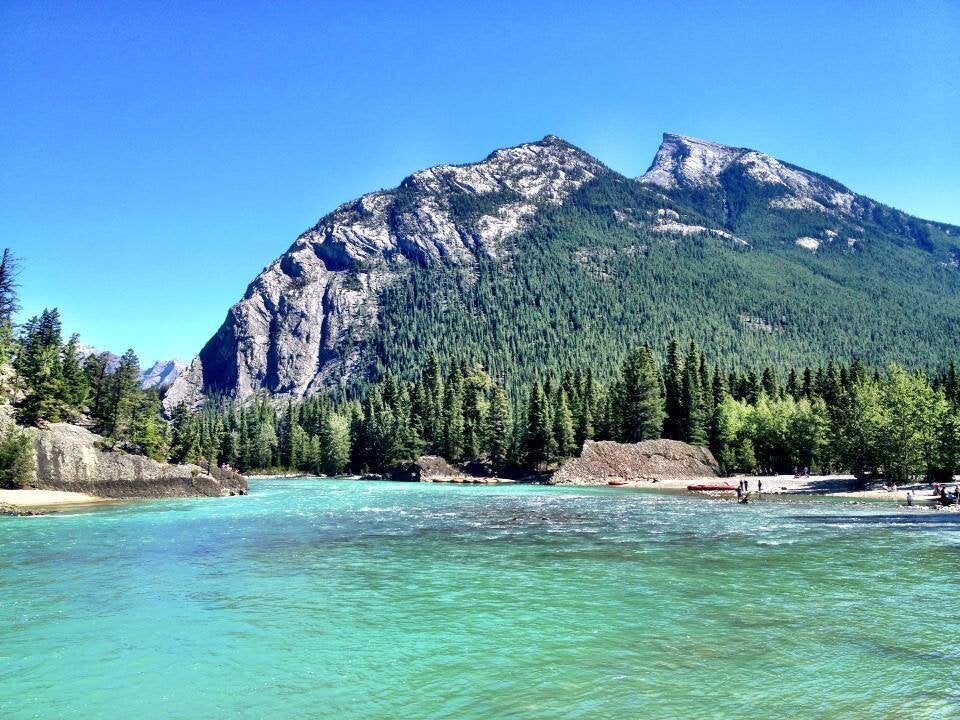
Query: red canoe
[[708, 488], [617, 482]]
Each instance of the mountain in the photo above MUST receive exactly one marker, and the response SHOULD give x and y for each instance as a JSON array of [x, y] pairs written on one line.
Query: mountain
[[540, 257], [161, 374], [84, 351]]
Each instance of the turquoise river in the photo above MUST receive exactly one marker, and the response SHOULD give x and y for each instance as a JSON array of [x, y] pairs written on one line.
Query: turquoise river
[[347, 599]]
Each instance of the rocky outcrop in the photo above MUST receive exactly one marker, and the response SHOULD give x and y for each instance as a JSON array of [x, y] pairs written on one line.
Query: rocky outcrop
[[68, 457], [425, 467], [296, 329], [602, 461]]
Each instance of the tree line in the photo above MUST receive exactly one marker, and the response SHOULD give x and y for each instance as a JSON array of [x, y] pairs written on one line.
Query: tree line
[[832, 418], [837, 417]]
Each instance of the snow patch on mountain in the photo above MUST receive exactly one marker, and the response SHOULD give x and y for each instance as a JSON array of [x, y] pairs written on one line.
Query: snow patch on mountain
[[84, 351]]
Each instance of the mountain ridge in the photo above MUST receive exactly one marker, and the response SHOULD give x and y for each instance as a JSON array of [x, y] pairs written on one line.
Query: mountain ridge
[[304, 324]]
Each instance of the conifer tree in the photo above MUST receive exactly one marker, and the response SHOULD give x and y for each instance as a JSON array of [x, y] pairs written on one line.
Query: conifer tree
[[641, 413], [121, 397], [75, 387], [538, 444], [563, 437], [498, 430], [453, 425], [40, 368], [673, 390], [695, 410]]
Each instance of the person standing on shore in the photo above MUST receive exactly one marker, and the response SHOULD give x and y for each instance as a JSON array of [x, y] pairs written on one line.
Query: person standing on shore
[[759, 486], [909, 498]]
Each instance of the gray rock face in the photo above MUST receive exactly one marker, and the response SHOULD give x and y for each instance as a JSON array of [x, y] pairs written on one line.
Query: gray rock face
[[67, 458], [161, 374], [287, 335], [600, 462]]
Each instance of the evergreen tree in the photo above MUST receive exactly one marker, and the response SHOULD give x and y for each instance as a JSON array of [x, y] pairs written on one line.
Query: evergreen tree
[[39, 367], [673, 392], [498, 430], [75, 388], [641, 413], [122, 395], [147, 430], [563, 437], [695, 412], [453, 423], [538, 444]]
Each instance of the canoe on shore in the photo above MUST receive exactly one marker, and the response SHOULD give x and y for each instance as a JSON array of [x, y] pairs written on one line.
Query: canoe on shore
[[709, 488], [617, 482]]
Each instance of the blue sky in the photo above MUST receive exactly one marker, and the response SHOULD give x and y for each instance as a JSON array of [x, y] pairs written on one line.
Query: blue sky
[[155, 156]]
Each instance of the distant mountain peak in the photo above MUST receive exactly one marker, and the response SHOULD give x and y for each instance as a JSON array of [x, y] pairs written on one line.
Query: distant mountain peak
[[688, 162], [684, 160], [162, 373]]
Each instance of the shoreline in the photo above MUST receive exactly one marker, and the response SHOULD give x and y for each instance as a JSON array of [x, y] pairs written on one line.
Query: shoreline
[[843, 487], [30, 501]]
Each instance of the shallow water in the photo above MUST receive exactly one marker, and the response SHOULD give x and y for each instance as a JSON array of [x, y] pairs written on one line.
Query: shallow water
[[348, 599]]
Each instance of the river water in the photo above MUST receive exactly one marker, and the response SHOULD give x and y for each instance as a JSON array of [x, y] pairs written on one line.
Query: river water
[[349, 599]]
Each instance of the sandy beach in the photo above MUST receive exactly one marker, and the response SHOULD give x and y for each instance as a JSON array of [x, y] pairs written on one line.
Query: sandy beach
[[30, 499], [841, 486]]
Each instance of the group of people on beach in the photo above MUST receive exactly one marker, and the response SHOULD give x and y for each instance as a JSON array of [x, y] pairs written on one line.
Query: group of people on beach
[[743, 489], [940, 493], [798, 473]]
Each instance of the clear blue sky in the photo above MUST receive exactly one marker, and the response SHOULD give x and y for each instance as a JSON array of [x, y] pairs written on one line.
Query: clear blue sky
[[155, 156]]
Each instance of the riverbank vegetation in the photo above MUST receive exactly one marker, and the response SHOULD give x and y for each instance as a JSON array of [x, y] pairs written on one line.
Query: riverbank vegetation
[[837, 417]]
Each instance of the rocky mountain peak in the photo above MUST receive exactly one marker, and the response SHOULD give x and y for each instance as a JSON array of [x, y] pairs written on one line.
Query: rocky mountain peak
[[546, 170], [288, 332], [683, 160], [687, 162]]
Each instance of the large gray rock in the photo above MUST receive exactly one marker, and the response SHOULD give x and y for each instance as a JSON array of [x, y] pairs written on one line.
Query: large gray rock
[[68, 458], [295, 330], [602, 461]]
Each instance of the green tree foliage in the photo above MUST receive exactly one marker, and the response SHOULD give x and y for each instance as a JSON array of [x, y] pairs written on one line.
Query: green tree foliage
[[498, 430], [840, 417], [539, 445], [639, 402], [122, 396], [16, 457], [40, 369]]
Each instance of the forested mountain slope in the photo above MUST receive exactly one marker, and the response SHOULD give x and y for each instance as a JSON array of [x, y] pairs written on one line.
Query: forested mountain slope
[[540, 257]]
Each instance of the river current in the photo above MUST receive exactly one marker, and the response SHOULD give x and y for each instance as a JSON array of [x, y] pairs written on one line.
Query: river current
[[350, 599]]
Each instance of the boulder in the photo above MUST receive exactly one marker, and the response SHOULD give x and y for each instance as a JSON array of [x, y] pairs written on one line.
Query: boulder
[[69, 457], [600, 462]]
